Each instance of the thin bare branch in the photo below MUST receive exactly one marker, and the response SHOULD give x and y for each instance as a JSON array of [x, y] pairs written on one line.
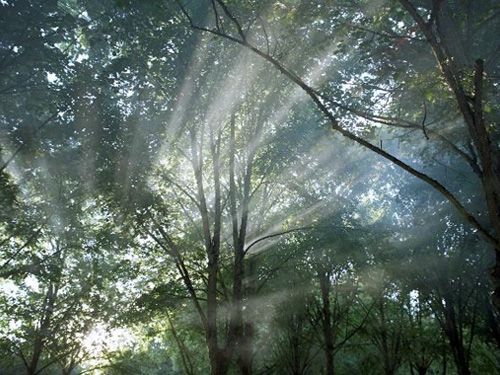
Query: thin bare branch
[[233, 19]]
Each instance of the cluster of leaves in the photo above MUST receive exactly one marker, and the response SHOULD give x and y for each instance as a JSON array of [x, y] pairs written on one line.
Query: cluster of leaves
[[117, 119]]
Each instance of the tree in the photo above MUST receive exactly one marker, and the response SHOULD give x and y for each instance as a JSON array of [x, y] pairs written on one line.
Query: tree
[[335, 258], [158, 182], [214, 185], [467, 93]]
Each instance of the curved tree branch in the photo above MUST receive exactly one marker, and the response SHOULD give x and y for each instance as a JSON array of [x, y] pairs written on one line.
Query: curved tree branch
[[348, 134]]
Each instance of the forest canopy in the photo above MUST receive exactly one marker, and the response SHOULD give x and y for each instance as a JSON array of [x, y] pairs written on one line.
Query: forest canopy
[[252, 187]]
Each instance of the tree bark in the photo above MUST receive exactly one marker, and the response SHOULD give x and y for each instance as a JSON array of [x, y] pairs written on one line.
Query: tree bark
[[42, 332], [456, 345], [326, 321], [453, 332], [473, 115], [246, 344], [245, 349]]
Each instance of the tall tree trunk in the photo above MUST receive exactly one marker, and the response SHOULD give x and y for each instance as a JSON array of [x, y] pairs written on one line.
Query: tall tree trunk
[[388, 342], [326, 321], [445, 365], [42, 332], [488, 154], [458, 353], [247, 340], [245, 349], [492, 321], [454, 337], [219, 362], [35, 358], [241, 330], [214, 352]]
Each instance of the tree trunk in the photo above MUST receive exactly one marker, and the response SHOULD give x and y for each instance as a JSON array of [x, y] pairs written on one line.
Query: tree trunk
[[31, 370], [245, 349], [247, 340], [456, 344], [388, 349], [219, 357], [492, 321], [42, 332], [219, 362], [495, 279], [445, 366], [488, 153], [326, 320], [489, 156]]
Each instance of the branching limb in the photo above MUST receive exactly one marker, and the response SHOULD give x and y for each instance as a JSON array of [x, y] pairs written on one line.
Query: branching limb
[[364, 143], [233, 19]]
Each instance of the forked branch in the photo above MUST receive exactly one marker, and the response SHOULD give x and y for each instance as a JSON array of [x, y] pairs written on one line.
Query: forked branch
[[336, 126]]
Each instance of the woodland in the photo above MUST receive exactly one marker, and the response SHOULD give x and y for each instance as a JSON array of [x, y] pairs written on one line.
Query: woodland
[[253, 187]]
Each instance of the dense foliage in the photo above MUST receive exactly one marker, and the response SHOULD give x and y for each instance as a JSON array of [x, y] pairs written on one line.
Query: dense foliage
[[247, 186]]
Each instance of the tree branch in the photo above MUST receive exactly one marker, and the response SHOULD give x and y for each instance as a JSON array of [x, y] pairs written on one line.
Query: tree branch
[[346, 133]]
